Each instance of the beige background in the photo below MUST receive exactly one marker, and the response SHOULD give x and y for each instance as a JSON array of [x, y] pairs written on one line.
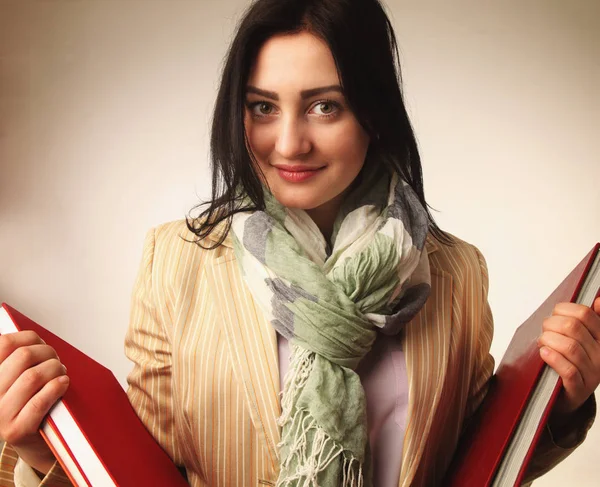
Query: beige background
[[104, 110]]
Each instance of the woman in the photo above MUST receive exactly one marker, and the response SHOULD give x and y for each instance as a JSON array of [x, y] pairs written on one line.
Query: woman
[[316, 260]]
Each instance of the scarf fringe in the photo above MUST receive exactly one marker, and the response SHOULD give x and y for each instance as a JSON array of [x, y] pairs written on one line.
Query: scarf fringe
[[324, 451], [301, 363]]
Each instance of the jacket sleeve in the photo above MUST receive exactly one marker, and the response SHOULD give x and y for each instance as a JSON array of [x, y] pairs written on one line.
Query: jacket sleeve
[[14, 472], [483, 364], [148, 346], [551, 449]]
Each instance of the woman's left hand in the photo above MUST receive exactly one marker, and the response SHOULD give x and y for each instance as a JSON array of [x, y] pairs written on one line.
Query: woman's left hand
[[570, 344]]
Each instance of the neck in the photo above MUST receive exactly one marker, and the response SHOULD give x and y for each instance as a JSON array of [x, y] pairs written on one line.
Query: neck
[[324, 221], [324, 215]]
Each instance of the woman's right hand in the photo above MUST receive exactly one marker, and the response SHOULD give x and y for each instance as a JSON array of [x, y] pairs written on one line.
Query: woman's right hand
[[32, 379]]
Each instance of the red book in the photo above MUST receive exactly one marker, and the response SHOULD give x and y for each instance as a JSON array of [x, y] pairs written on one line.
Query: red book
[[93, 430], [498, 445]]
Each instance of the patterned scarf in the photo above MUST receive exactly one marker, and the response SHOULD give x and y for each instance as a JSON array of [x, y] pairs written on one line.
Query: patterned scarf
[[330, 303]]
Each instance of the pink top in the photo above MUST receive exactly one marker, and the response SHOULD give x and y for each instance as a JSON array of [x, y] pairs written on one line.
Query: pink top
[[383, 376]]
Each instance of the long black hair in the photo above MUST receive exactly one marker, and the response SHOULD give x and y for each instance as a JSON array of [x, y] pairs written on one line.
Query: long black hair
[[363, 44]]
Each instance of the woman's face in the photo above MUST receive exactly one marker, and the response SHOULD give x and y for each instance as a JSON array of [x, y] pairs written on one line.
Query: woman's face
[[307, 142]]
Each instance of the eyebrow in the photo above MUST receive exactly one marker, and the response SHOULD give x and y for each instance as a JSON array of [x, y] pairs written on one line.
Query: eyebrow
[[304, 94]]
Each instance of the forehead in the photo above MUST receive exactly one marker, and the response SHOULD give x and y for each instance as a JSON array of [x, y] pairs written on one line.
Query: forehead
[[293, 62]]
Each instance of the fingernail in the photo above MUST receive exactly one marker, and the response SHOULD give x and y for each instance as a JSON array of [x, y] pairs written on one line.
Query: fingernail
[[544, 351], [63, 379]]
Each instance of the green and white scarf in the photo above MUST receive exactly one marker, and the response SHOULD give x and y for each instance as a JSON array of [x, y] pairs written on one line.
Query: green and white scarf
[[330, 305]]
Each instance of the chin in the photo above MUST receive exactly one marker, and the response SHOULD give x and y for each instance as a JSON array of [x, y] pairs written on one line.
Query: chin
[[299, 202]]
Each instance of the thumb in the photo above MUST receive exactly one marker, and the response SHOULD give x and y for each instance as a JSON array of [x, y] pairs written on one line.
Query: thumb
[[596, 306]]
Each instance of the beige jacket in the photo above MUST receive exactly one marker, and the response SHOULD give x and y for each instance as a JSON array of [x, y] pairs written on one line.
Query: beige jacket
[[206, 378]]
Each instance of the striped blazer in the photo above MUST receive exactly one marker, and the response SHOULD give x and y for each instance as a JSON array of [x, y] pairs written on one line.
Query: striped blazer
[[206, 378]]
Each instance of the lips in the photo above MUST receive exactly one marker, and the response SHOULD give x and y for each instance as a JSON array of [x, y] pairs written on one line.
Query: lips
[[297, 173], [298, 168]]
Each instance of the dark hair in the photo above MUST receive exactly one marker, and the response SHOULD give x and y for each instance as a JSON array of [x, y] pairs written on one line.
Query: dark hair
[[363, 44]]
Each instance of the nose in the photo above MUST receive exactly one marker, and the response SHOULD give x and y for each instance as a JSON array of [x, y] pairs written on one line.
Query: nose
[[292, 140]]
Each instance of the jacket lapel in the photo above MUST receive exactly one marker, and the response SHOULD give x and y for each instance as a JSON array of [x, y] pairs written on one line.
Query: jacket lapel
[[427, 346], [253, 347]]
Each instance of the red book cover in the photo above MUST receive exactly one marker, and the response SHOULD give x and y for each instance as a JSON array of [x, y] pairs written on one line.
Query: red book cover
[[102, 411], [481, 449]]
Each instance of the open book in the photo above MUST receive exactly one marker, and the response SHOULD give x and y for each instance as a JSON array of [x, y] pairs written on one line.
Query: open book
[[497, 448], [93, 430]]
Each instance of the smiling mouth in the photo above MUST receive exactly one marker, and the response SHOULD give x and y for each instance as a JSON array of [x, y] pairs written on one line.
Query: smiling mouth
[[298, 174]]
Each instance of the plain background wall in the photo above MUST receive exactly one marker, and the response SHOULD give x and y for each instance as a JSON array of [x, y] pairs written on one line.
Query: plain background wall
[[104, 111]]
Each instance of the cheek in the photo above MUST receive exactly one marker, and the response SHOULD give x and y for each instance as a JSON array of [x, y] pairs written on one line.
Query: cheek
[[349, 143], [260, 139]]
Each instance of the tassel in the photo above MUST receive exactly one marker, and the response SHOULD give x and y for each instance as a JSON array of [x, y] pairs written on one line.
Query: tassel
[[324, 451]]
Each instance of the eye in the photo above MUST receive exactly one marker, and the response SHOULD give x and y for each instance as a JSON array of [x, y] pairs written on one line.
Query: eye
[[264, 108], [326, 108], [259, 109]]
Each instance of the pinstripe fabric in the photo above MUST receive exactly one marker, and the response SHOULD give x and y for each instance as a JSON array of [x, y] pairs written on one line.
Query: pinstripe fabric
[[222, 360], [8, 461], [206, 378], [448, 363]]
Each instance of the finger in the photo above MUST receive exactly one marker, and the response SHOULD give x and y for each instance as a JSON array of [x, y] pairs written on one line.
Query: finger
[[596, 305], [573, 328], [20, 360], [27, 385], [573, 385], [9, 342], [32, 414], [584, 314], [570, 349]]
